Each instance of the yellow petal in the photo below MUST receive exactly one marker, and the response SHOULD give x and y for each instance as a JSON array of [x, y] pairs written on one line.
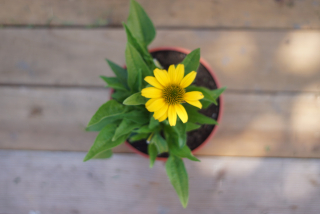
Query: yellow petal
[[182, 113], [158, 114], [163, 117], [172, 115], [149, 102], [193, 95], [153, 81], [187, 80], [162, 76], [172, 73], [179, 73], [195, 103], [151, 92], [156, 105]]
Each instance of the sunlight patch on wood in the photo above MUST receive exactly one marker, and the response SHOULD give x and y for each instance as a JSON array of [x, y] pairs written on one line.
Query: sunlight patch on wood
[[304, 120], [299, 53]]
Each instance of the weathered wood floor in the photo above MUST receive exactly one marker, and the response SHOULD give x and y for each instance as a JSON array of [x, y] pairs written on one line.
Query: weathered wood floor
[[58, 182], [265, 52]]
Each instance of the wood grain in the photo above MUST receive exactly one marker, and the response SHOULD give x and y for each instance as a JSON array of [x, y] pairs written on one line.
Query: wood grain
[[59, 182], [242, 60], [187, 13], [281, 124]]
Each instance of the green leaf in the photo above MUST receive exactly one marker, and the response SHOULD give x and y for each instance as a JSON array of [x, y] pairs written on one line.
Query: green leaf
[[104, 141], [191, 126], [143, 129], [126, 126], [138, 137], [153, 123], [133, 41], [137, 69], [178, 177], [110, 110], [181, 129], [172, 137], [120, 95], [120, 72], [217, 92], [206, 93], [183, 152], [196, 117], [205, 103], [140, 24], [114, 82], [135, 99], [192, 61], [153, 152], [175, 135], [140, 48], [103, 155], [99, 126], [160, 143], [138, 116]]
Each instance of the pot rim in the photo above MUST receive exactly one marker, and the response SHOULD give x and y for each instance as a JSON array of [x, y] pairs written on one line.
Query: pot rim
[[206, 65]]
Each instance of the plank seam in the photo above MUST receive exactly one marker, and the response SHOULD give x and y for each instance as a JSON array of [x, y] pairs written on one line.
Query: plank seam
[[92, 87], [89, 27]]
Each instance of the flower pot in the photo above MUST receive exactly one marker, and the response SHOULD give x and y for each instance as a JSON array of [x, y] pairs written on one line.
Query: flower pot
[[205, 77]]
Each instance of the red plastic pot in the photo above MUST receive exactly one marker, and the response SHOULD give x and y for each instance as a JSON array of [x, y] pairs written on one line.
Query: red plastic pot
[[206, 65]]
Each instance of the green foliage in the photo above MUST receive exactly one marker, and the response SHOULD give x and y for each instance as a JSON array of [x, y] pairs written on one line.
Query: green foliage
[[160, 143], [120, 72], [191, 126], [183, 152], [217, 92], [143, 51], [138, 116], [178, 177], [206, 93], [153, 152], [137, 137], [126, 126], [143, 129], [110, 110], [140, 24], [120, 95], [104, 141], [180, 128], [134, 73], [153, 122], [114, 82], [135, 99], [198, 118], [176, 134], [126, 117], [137, 69], [175, 148], [191, 61], [210, 96], [103, 155]]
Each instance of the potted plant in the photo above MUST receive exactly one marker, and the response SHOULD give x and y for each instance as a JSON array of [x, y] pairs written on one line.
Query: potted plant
[[155, 103]]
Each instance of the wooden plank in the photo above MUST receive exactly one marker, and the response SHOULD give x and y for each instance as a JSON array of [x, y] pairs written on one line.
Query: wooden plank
[[187, 13], [49, 118], [281, 124], [242, 60], [59, 182]]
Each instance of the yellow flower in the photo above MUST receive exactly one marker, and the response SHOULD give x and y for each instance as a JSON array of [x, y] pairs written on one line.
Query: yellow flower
[[169, 92]]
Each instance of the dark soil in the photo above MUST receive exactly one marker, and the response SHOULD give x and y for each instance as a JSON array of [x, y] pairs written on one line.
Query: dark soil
[[197, 137]]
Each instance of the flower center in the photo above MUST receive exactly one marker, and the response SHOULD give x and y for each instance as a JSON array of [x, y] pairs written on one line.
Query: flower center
[[173, 94]]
